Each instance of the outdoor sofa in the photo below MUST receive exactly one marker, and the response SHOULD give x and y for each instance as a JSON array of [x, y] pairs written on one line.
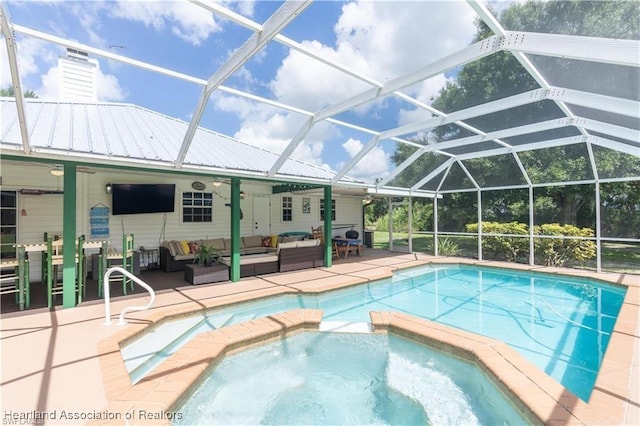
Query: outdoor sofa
[[174, 255], [292, 254], [303, 254]]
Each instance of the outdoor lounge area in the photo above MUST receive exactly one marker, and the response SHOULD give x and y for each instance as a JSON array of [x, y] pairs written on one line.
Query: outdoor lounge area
[[444, 192]]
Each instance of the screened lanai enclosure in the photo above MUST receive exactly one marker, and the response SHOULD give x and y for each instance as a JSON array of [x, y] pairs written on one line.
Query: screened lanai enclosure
[[496, 130]]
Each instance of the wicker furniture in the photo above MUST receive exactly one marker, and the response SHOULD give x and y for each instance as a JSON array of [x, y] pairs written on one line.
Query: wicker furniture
[[172, 259], [255, 264], [197, 274], [300, 255]]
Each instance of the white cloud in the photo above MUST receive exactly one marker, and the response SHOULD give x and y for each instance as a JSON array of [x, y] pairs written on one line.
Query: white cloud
[[375, 164], [263, 128], [381, 40], [88, 15], [109, 88], [185, 20], [424, 92], [244, 7], [31, 53], [305, 83], [49, 84], [397, 37]]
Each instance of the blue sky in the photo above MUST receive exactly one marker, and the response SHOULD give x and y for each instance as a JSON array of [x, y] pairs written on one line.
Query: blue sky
[[377, 39]]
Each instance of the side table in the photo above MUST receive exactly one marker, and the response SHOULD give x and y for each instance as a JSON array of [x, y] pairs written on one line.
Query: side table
[[150, 258], [196, 274]]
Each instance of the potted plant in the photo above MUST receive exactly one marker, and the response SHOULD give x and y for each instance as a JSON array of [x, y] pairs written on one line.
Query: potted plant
[[206, 255]]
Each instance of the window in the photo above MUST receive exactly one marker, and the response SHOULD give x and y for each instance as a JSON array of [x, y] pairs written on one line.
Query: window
[[8, 224], [197, 207], [287, 209], [333, 210]]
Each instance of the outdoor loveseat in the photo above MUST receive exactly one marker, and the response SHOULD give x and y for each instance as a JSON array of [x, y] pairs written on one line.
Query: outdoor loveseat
[[300, 255]]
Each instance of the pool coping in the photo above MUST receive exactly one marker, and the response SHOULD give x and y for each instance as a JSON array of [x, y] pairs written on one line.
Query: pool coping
[[545, 398]]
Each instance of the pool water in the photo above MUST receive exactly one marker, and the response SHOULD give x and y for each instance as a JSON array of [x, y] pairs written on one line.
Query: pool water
[[562, 325], [333, 378]]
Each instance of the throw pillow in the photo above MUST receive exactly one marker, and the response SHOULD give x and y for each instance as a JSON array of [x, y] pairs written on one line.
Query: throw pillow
[[266, 242], [174, 247], [193, 247], [184, 245]]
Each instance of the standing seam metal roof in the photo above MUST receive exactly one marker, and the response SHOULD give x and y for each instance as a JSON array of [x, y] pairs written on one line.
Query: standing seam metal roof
[[135, 135]]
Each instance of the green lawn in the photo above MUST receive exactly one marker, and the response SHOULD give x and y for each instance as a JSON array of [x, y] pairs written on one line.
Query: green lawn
[[616, 257]]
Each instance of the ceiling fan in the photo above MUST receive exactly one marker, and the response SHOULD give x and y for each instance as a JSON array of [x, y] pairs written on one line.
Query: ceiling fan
[[58, 170]]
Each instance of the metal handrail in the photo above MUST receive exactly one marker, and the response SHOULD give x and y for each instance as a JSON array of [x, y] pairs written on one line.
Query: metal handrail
[[107, 302]]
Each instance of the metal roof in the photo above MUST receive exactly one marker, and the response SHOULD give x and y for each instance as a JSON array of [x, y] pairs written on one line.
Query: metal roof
[[108, 133], [595, 110]]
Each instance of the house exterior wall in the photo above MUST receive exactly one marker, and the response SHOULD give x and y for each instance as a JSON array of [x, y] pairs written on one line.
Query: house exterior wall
[[43, 213]]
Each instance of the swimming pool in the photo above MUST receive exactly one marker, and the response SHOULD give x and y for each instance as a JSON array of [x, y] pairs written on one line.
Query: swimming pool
[[561, 324], [308, 378]]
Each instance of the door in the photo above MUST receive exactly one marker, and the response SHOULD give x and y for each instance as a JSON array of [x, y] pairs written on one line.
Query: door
[[261, 216]]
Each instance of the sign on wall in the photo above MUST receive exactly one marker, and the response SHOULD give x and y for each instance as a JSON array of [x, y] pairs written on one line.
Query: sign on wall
[[99, 221]]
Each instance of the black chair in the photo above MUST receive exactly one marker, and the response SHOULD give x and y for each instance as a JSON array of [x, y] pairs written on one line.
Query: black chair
[[352, 235]]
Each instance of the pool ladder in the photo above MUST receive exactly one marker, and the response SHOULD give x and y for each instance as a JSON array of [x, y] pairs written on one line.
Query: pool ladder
[[107, 301]]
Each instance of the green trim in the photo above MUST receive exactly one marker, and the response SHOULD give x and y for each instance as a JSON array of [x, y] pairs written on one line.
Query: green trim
[[234, 273], [328, 231], [198, 174], [69, 237], [293, 187]]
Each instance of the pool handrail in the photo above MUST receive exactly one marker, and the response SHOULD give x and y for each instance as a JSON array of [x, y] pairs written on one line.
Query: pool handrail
[[107, 302]]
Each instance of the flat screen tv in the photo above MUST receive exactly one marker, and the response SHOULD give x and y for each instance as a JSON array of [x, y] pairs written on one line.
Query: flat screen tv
[[142, 198]]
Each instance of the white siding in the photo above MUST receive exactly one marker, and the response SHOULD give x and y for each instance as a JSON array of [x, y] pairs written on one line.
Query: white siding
[[37, 214], [44, 212], [348, 212]]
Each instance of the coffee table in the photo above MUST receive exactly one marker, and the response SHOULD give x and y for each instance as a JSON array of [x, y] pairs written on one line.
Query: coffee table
[[197, 274]]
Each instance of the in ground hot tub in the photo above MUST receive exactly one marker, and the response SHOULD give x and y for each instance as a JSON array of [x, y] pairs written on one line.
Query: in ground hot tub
[[335, 378]]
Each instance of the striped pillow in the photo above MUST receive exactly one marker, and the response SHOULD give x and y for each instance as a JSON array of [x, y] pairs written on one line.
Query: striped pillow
[[175, 248]]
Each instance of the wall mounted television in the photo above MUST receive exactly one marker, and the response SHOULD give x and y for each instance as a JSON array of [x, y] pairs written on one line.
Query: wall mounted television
[[143, 198]]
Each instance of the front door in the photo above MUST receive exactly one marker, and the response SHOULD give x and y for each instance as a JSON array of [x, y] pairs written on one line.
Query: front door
[[261, 216]]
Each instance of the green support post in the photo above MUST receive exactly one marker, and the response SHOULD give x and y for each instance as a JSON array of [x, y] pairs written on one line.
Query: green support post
[[234, 272], [328, 232], [23, 279], [102, 266], [69, 237], [81, 271]]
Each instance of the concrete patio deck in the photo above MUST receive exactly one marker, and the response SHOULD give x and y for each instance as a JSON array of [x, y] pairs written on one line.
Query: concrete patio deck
[[62, 363]]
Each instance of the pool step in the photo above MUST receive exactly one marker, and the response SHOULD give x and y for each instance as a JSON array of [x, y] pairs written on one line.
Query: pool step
[[203, 324], [346, 327]]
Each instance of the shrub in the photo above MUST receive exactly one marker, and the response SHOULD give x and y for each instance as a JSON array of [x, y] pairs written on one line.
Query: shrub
[[559, 252], [447, 247], [499, 247], [551, 251]]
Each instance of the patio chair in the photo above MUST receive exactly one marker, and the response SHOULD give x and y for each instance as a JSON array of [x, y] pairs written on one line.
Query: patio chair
[[340, 247], [352, 235], [16, 280], [126, 261], [54, 258], [317, 234]]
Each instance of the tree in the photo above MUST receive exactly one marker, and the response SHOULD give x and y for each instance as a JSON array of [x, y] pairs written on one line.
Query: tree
[[500, 75], [9, 93]]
